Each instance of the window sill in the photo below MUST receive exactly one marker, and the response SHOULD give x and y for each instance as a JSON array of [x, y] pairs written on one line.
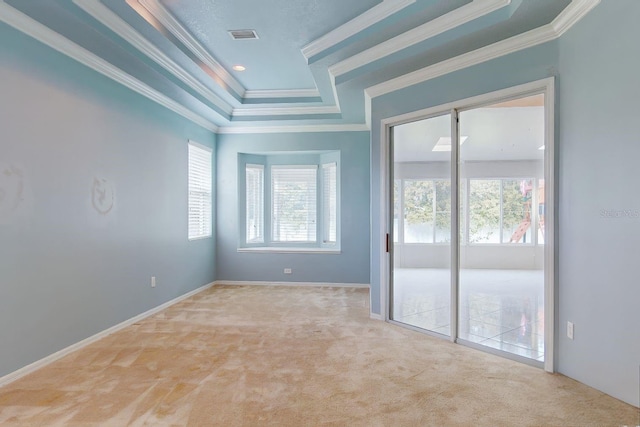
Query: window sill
[[289, 250]]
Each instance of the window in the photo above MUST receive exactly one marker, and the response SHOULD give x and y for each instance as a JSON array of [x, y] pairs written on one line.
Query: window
[[330, 202], [497, 211], [427, 211], [500, 210], [255, 203], [200, 184], [290, 200], [294, 199], [484, 211]]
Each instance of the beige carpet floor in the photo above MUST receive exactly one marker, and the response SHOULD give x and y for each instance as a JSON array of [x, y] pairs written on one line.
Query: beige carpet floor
[[293, 356]]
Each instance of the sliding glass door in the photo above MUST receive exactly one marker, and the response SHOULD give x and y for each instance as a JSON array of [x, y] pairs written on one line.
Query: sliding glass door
[[421, 284], [501, 246], [468, 259]]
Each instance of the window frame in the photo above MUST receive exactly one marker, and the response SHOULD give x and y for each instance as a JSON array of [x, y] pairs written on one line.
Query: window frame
[[312, 170], [465, 198], [501, 179], [259, 211], [206, 222], [330, 208], [434, 209], [315, 159]]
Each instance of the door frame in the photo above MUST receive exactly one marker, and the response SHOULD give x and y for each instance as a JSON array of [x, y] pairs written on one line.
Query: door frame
[[546, 87]]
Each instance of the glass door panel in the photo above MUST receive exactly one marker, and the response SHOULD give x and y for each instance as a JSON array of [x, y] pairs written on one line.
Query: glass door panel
[[421, 264], [501, 247]]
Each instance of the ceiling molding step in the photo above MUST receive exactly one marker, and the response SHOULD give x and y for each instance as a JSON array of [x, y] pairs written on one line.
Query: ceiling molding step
[[353, 27], [572, 14], [467, 13], [287, 93], [108, 18], [283, 111], [159, 12], [44, 34], [293, 129]]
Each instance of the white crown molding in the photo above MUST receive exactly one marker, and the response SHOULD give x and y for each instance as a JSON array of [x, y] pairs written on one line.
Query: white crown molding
[[112, 21], [312, 284], [44, 34], [108, 18], [16, 375], [442, 24], [293, 129], [286, 93], [356, 25], [571, 15], [159, 12], [283, 111]]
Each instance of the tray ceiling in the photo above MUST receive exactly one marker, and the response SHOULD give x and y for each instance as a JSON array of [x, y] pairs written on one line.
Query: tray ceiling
[[313, 65]]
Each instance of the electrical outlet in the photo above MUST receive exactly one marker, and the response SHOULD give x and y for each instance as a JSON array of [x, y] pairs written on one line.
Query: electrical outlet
[[288, 271], [570, 330], [153, 281]]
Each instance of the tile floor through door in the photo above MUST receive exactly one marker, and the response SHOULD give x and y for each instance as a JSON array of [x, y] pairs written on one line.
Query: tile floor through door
[[502, 309]]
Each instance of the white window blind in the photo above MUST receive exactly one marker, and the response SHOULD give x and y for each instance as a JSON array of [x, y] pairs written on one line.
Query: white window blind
[[329, 202], [254, 182], [294, 200], [200, 221]]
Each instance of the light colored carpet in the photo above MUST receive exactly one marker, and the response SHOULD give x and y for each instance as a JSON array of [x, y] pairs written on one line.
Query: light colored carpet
[[293, 356]]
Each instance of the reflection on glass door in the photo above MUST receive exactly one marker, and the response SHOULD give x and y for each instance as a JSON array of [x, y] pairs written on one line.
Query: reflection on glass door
[[421, 273], [501, 247]]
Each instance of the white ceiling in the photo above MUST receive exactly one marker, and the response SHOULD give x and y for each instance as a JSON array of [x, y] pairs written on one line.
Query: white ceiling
[[508, 133], [312, 64]]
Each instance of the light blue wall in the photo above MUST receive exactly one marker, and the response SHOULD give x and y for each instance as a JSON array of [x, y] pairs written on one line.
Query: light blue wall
[[518, 68], [66, 270], [596, 65], [599, 153], [351, 265]]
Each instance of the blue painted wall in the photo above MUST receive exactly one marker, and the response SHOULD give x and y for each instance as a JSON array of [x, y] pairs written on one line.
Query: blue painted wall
[[518, 68], [598, 173], [351, 265], [68, 271], [596, 67]]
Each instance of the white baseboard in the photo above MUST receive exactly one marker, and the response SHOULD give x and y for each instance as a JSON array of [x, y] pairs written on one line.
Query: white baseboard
[[13, 376], [376, 316], [318, 284]]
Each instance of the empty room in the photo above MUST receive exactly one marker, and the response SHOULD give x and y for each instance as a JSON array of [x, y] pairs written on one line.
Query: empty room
[[306, 213]]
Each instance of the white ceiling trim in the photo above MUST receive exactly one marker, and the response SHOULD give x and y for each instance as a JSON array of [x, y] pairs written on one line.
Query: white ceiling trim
[[572, 14], [112, 21], [353, 27], [293, 129], [575, 11], [287, 93], [284, 111], [44, 34], [467, 13], [159, 12]]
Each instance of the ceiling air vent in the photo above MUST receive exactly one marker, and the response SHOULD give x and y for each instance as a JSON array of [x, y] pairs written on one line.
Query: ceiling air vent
[[243, 34]]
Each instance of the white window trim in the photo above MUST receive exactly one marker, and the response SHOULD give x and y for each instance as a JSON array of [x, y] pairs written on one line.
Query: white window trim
[[275, 159], [274, 169], [327, 204], [209, 233], [467, 213], [258, 167]]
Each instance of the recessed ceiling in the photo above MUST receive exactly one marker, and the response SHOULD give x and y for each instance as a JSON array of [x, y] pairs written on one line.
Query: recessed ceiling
[[311, 64]]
